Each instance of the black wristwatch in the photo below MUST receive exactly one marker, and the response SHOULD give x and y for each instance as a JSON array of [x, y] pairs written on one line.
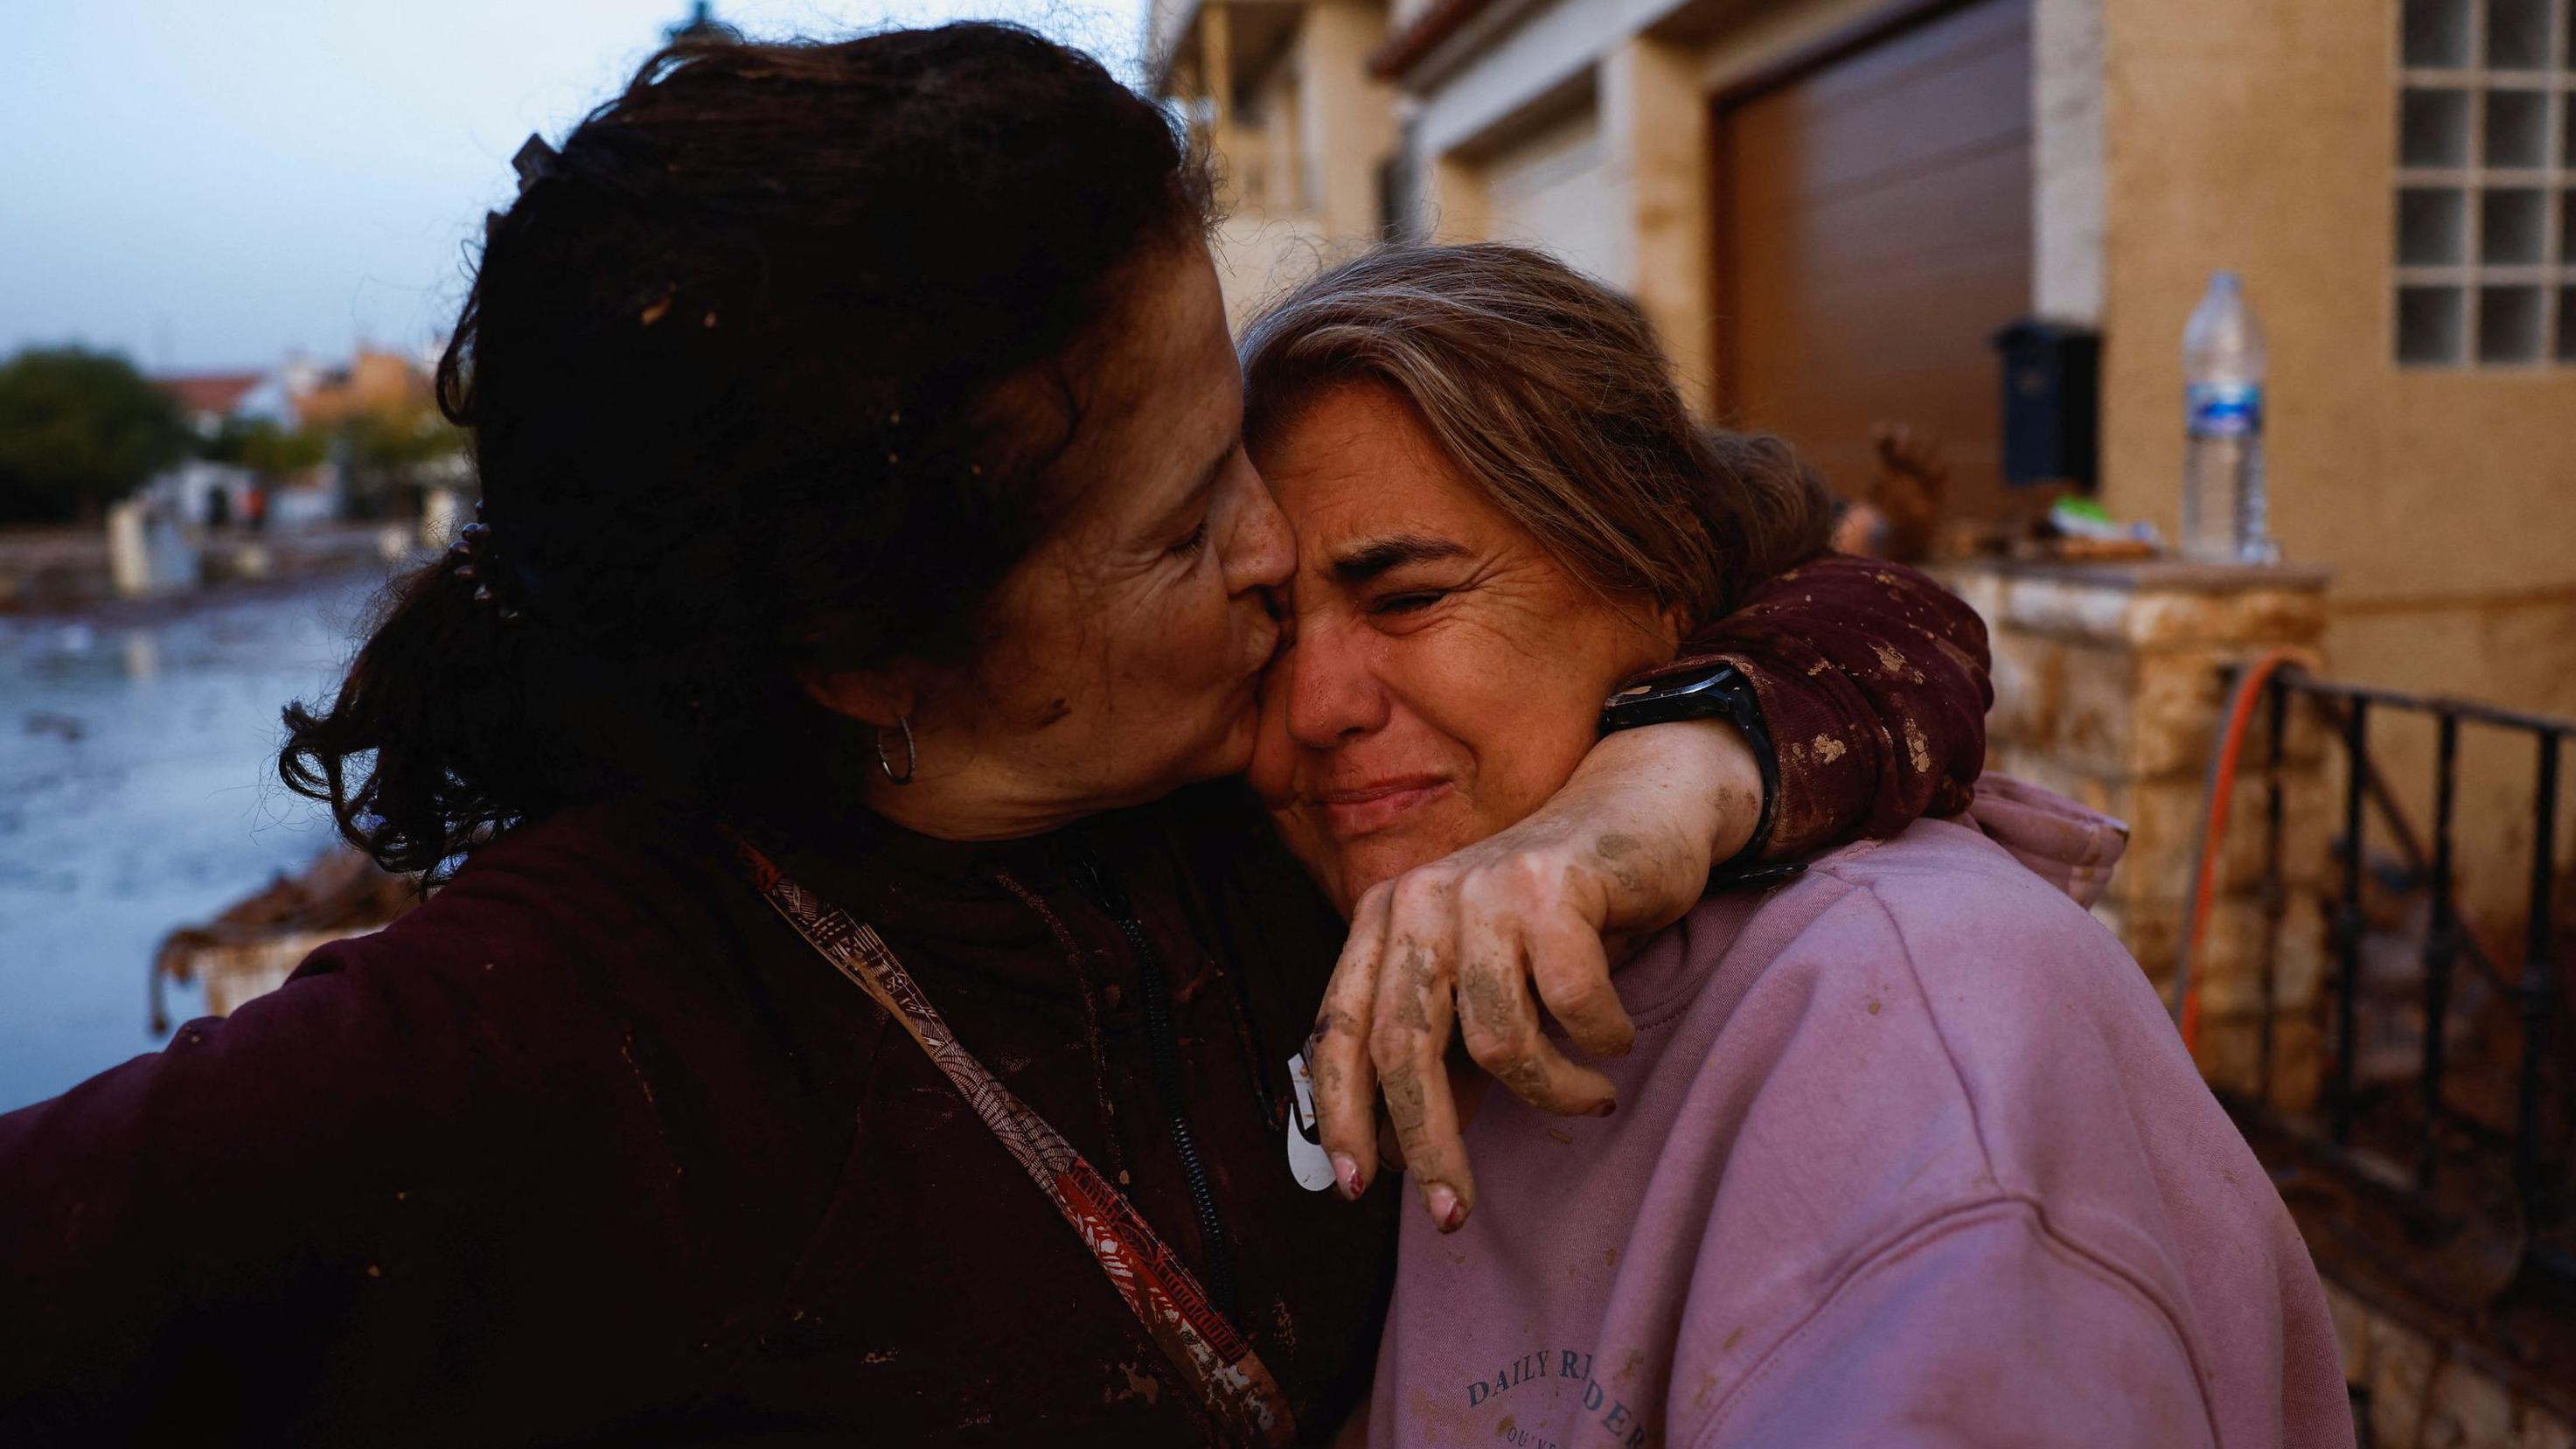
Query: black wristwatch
[[1720, 691]]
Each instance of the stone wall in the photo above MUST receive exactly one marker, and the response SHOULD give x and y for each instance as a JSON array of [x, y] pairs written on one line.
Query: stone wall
[[2110, 687], [2263, 138], [2422, 1391]]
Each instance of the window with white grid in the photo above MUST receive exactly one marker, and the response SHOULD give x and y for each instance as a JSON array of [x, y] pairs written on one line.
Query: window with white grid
[[2486, 183]]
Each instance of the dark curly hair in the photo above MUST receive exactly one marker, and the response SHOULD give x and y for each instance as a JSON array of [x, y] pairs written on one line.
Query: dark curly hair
[[773, 367]]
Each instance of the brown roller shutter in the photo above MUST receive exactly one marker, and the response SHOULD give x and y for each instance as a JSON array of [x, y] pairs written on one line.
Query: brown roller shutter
[[1875, 231]]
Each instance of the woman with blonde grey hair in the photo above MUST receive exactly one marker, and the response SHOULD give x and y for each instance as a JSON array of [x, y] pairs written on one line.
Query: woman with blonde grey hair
[[1906, 1151]]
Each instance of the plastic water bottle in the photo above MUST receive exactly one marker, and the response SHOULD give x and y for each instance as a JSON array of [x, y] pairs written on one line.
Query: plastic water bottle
[[2223, 514]]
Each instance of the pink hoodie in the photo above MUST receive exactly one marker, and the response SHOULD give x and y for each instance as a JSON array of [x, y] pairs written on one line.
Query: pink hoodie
[[1907, 1153]]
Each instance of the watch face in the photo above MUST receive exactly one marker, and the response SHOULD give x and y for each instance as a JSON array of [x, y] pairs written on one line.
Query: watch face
[[1672, 685], [1720, 693]]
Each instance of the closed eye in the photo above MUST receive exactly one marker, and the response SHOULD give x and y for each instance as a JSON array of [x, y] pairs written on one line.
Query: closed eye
[[1411, 602], [1192, 544]]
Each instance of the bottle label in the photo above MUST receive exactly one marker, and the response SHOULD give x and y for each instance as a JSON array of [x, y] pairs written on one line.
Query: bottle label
[[2224, 409]]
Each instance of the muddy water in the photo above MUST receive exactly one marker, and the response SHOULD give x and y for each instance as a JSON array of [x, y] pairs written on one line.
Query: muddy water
[[137, 793]]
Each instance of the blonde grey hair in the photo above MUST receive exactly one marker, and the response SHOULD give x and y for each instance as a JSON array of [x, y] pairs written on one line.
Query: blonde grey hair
[[1548, 390]]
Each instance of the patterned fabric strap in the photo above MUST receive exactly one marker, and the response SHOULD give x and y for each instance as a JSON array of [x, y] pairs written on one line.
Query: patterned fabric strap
[[1218, 1361]]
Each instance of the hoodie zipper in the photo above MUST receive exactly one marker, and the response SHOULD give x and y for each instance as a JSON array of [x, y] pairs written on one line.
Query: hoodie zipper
[[1164, 1048]]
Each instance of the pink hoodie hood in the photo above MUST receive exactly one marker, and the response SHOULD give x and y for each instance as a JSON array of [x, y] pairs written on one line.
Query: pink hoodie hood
[[2068, 846]]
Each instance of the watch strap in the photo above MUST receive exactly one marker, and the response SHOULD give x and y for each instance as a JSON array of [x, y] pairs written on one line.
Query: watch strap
[[1721, 691]]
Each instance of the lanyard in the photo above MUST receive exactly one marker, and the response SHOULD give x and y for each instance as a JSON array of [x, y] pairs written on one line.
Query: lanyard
[[1217, 1360]]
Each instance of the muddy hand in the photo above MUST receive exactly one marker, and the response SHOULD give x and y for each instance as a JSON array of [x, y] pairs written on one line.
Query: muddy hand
[[1337, 1054], [1386, 1022], [1457, 944]]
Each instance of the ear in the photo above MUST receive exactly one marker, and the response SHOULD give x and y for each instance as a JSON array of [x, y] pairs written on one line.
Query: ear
[[871, 696], [1673, 622]]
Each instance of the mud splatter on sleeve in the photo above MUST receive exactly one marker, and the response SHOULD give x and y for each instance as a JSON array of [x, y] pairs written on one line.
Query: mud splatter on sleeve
[[1873, 680]]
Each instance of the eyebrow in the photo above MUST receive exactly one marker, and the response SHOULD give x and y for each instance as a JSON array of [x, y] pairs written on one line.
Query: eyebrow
[[1383, 555]]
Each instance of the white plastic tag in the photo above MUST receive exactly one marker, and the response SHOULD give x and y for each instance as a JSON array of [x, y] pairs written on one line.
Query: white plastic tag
[[1307, 1160]]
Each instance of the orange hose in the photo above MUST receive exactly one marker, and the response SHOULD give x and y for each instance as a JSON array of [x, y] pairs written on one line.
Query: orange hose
[[2220, 792]]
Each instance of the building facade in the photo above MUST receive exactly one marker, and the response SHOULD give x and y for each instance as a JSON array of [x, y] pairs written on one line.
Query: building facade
[[1829, 207]]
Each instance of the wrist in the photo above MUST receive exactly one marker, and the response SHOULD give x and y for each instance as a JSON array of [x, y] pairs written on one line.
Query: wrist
[[1736, 787], [1743, 776], [1704, 782]]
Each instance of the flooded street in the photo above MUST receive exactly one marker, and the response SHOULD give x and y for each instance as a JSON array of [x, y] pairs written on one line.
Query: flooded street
[[138, 792]]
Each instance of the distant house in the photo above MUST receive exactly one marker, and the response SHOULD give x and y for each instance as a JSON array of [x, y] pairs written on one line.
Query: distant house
[[203, 493], [374, 382], [207, 399]]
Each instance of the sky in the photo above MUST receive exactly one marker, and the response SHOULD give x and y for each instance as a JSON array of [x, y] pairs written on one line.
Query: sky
[[214, 184]]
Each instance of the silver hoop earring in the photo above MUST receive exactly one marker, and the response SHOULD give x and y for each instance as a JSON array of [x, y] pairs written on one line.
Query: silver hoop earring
[[911, 756]]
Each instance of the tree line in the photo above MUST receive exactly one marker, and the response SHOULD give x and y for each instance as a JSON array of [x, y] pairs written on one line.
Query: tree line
[[81, 429]]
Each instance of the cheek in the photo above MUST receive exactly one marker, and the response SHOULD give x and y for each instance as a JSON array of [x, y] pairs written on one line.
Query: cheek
[[1174, 646], [1199, 621], [1142, 633], [1028, 676], [1274, 755], [1085, 655], [1515, 779], [1525, 719]]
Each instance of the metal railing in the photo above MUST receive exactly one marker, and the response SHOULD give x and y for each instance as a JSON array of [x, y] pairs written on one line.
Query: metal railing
[[2540, 1078]]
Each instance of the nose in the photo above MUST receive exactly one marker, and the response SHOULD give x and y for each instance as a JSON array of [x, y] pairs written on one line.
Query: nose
[[1333, 695]]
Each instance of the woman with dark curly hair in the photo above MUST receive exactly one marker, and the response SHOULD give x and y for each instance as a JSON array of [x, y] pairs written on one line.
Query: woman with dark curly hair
[[859, 1001]]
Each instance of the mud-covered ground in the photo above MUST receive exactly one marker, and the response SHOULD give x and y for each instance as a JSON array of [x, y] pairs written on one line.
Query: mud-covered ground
[[138, 792]]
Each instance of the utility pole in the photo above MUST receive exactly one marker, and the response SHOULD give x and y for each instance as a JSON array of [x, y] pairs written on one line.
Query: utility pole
[[702, 24]]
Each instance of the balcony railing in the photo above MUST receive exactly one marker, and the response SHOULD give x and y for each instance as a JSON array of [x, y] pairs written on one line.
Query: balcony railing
[[2440, 1131]]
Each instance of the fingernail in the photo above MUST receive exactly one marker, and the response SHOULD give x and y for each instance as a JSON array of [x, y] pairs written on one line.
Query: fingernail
[[1346, 1176], [1608, 1107], [1445, 1208]]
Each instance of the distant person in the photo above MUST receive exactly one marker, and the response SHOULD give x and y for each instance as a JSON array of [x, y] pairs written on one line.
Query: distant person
[[1907, 1152], [870, 543]]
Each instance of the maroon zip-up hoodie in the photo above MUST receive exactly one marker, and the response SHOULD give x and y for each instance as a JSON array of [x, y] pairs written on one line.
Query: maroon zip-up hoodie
[[592, 1146]]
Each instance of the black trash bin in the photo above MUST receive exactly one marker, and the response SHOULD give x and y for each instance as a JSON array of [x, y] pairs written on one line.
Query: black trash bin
[[2051, 404]]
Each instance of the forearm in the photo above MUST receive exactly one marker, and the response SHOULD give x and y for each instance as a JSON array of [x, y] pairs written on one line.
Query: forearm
[[1873, 684]]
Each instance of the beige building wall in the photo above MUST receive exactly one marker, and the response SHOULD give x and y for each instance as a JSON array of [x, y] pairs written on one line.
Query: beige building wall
[[2263, 138], [1636, 79], [2066, 159], [1350, 114], [2171, 138], [1555, 191], [1583, 130], [1259, 256], [1655, 126], [1299, 140]]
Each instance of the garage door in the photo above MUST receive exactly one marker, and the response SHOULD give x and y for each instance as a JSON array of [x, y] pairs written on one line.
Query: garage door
[[1551, 191], [1875, 232]]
